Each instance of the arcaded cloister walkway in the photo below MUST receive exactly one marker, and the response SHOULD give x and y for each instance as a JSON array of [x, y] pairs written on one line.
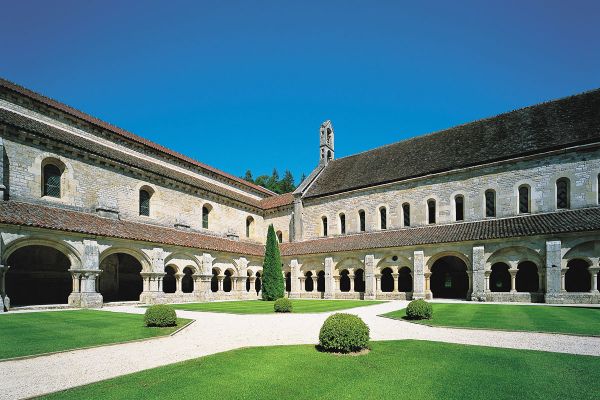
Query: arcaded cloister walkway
[[216, 332]]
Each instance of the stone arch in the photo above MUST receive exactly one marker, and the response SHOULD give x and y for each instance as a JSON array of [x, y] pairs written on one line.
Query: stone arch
[[514, 255], [586, 250], [395, 262], [183, 260], [68, 250], [138, 255], [121, 278], [38, 274], [577, 276], [500, 277], [169, 279], [349, 264], [187, 280], [449, 278]]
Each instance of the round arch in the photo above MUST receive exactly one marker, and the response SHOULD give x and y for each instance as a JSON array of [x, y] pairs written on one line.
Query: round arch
[[449, 277], [137, 254], [69, 251]]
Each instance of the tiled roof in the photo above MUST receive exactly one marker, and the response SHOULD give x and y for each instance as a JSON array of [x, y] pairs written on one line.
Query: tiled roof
[[277, 201], [540, 128], [20, 122], [582, 220], [114, 129], [34, 215]]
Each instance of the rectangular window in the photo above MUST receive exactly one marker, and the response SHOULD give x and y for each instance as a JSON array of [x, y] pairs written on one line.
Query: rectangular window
[[524, 199], [406, 214], [324, 226], [343, 224], [361, 217], [490, 203], [383, 218], [460, 208], [431, 211]]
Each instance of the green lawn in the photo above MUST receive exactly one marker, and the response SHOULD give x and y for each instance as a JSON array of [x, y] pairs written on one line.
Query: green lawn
[[26, 334], [576, 320], [266, 307], [394, 369]]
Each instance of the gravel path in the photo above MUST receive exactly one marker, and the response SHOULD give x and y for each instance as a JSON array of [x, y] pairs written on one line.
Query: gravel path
[[216, 332]]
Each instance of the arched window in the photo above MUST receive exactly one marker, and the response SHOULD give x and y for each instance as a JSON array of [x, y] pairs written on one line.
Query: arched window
[[362, 220], [343, 224], [279, 236], [459, 207], [431, 211], [249, 226], [490, 203], [344, 281], [145, 202], [524, 202], [205, 214], [383, 218], [52, 175], [563, 195], [324, 223], [406, 214], [187, 281]]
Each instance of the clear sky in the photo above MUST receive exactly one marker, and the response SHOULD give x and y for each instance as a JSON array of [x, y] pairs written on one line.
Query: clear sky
[[245, 84]]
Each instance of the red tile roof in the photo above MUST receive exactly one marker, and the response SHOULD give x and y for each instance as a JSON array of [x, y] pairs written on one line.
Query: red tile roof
[[122, 132]]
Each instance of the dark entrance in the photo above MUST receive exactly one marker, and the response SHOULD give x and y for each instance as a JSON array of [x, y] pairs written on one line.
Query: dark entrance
[[120, 279], [38, 275], [449, 278]]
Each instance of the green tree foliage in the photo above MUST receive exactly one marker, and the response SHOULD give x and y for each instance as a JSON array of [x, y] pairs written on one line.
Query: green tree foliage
[[273, 286], [273, 183]]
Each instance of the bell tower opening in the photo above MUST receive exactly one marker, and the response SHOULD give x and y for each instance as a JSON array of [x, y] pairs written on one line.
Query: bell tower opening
[[326, 142]]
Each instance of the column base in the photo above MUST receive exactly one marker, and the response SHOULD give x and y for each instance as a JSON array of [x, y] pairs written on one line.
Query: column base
[[86, 300]]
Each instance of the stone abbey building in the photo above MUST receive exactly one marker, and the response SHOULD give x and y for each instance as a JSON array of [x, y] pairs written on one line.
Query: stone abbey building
[[501, 209]]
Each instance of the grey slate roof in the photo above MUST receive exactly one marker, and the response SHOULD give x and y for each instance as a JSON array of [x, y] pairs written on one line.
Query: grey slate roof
[[544, 127]]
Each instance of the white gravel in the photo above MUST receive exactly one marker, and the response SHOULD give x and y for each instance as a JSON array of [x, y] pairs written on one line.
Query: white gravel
[[217, 332]]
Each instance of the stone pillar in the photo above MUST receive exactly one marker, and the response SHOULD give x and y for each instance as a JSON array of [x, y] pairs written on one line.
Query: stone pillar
[[487, 280], [540, 282], [253, 284], [419, 290], [336, 284], [513, 279], [351, 277], [4, 300], [594, 275], [197, 284], [204, 292], [395, 278], [370, 292], [178, 278], [314, 279], [294, 278], [329, 293], [554, 281], [302, 279], [563, 274], [220, 279], [84, 293], [428, 294], [470, 278], [377, 284], [478, 279]]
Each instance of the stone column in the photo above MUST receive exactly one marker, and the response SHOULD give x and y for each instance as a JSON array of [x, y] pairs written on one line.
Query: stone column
[[370, 289], [470, 278], [84, 292], [302, 279], [4, 300], [594, 275], [563, 274], [204, 292], [554, 281], [428, 294], [351, 277], [220, 279], [513, 277], [295, 278], [240, 285], [337, 287], [314, 279], [540, 282], [487, 280], [377, 284], [419, 290], [178, 278], [395, 278], [329, 293], [478, 279], [253, 284], [75, 276]]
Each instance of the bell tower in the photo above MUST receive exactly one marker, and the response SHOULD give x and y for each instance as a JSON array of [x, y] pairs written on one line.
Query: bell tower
[[326, 142]]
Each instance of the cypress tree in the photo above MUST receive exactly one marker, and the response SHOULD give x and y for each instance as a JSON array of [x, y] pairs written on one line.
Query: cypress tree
[[273, 286]]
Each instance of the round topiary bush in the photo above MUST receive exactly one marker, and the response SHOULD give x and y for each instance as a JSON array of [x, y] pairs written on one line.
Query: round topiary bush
[[160, 315], [283, 305], [419, 309], [344, 333]]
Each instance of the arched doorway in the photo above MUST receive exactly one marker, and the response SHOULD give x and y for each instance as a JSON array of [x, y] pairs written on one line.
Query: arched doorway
[[120, 279], [169, 280], [527, 279], [405, 282], [387, 280], [500, 278], [258, 283], [344, 281], [449, 278], [321, 281], [38, 275], [227, 281], [577, 277], [187, 280], [359, 281]]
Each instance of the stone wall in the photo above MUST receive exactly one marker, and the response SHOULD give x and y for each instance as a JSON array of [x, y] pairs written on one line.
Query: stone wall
[[581, 167]]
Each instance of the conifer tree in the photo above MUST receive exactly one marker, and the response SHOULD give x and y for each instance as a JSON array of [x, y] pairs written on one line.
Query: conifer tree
[[248, 176], [273, 286], [287, 183]]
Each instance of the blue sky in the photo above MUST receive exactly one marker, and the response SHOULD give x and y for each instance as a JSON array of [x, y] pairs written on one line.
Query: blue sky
[[245, 84]]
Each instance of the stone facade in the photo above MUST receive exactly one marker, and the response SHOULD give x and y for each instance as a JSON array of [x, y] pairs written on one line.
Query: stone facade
[[558, 268]]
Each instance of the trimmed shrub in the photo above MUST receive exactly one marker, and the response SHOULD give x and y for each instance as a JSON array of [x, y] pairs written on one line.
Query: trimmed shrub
[[160, 315], [344, 333], [273, 286], [419, 309], [283, 305]]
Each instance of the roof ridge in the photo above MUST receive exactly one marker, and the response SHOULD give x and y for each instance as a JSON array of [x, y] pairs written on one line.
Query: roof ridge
[[123, 132]]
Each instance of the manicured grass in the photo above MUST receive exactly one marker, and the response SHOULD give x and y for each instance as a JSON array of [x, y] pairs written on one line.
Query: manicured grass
[[26, 334], [576, 320], [266, 307], [392, 370]]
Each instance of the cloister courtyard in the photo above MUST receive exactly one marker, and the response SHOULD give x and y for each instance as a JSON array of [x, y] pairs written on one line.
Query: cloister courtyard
[[241, 349]]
